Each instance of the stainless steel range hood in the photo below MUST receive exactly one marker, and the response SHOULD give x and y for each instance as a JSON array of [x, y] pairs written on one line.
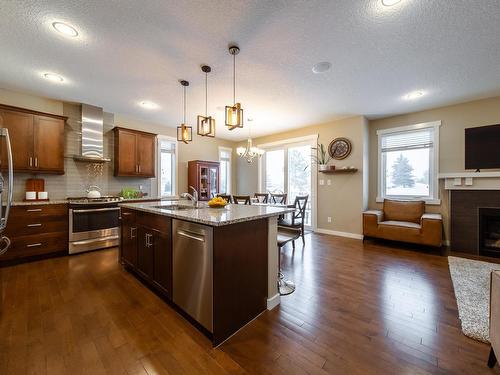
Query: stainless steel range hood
[[92, 150]]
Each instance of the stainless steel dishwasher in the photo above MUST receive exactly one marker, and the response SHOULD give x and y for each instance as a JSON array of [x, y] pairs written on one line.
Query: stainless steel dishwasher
[[193, 271]]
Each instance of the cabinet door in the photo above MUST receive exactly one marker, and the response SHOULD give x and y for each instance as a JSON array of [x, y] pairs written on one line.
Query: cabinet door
[[213, 180], [49, 144], [145, 252], [126, 155], [20, 127], [204, 189], [146, 155], [163, 261], [128, 243]]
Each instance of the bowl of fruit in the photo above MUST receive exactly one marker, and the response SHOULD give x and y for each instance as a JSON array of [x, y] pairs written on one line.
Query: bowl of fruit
[[217, 202]]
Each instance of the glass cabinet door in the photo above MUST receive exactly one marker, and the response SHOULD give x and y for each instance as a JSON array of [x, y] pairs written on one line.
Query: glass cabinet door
[[214, 181], [204, 183]]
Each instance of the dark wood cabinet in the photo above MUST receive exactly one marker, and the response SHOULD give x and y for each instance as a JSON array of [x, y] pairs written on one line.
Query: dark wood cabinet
[[204, 177], [134, 153], [128, 248], [36, 230], [146, 247], [37, 140]]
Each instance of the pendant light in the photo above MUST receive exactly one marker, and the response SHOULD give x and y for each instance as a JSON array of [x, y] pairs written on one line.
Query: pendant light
[[184, 132], [234, 113], [249, 152], [206, 124]]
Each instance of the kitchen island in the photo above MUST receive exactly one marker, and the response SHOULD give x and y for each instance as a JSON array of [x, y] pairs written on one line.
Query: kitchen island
[[217, 266]]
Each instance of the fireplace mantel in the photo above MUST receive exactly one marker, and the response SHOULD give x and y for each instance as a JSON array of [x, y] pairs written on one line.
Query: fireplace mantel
[[471, 180]]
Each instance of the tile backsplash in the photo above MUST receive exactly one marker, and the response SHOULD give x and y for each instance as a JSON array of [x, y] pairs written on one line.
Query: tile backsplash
[[80, 175]]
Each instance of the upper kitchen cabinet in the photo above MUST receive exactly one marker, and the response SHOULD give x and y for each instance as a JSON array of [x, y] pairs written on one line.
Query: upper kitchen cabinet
[[134, 153], [37, 140]]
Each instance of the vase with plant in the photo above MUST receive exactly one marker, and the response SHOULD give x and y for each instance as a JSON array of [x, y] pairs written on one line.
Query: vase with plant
[[322, 157]]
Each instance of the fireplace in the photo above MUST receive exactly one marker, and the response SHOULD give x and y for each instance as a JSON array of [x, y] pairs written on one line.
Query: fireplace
[[489, 231]]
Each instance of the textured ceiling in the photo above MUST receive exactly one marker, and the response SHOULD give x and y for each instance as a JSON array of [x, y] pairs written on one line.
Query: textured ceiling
[[129, 51]]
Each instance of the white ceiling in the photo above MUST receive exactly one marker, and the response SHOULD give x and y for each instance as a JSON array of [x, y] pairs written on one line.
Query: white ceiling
[[129, 51]]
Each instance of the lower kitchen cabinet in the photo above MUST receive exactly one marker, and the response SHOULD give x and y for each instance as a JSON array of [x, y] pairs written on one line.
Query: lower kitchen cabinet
[[146, 248], [35, 231]]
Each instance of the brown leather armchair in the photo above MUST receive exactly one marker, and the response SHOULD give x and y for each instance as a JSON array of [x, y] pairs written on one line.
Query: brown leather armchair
[[494, 318], [404, 221]]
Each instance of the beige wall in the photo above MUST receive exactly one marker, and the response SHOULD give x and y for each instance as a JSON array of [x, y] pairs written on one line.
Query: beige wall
[[454, 120], [77, 177], [344, 199]]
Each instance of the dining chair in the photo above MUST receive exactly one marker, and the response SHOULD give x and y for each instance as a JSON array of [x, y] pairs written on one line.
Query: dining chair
[[278, 198], [227, 197], [241, 199], [261, 197], [297, 218]]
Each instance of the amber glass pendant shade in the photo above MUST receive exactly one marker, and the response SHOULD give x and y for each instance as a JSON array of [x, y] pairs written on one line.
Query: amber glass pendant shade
[[234, 116], [184, 133], [206, 126]]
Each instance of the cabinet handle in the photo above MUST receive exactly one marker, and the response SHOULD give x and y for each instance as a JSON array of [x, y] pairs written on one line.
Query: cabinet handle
[[34, 225], [36, 162], [132, 235], [139, 168], [34, 244], [148, 243], [34, 210], [31, 161]]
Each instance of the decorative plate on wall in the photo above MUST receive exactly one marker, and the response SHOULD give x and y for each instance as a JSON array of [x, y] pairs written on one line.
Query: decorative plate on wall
[[340, 148]]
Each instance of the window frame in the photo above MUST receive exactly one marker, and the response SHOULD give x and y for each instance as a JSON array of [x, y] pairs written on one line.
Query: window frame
[[229, 172], [433, 198], [175, 168]]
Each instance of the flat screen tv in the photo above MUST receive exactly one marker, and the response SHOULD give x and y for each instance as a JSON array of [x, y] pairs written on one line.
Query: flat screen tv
[[482, 147]]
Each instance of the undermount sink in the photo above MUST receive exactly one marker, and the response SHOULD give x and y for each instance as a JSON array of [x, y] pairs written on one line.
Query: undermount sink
[[173, 207]]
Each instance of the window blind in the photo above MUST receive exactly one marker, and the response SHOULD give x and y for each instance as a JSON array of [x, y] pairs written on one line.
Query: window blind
[[408, 140]]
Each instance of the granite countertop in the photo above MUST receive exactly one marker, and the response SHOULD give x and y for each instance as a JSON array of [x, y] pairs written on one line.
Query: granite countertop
[[231, 214], [65, 201]]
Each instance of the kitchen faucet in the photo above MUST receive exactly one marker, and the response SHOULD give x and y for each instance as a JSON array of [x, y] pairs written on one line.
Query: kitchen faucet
[[193, 197]]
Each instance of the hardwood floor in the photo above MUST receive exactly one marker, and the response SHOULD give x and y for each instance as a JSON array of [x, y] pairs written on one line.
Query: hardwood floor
[[358, 309]]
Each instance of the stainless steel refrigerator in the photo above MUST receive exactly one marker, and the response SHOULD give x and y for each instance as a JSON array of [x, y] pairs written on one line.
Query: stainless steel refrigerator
[[6, 187]]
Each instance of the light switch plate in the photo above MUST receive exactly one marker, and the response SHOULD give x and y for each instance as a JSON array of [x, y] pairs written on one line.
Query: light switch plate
[[457, 181], [468, 181], [328, 182], [321, 182]]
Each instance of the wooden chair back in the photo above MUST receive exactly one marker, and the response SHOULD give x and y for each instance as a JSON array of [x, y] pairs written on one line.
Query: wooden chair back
[[300, 205], [227, 197], [278, 198], [241, 199], [261, 197]]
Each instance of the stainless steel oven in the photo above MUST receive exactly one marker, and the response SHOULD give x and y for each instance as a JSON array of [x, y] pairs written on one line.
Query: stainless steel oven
[[93, 225]]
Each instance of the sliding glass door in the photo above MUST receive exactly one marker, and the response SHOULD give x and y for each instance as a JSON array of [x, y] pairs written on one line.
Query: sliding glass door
[[286, 168]]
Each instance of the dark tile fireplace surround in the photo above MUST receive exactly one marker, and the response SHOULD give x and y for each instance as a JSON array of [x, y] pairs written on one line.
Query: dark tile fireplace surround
[[475, 222]]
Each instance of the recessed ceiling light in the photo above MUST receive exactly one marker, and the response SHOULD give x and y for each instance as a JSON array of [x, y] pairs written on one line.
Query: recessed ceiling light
[[390, 3], [321, 67], [148, 105], [65, 29], [53, 77], [414, 95]]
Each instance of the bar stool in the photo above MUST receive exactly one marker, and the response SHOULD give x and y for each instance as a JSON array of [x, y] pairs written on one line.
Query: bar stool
[[285, 287]]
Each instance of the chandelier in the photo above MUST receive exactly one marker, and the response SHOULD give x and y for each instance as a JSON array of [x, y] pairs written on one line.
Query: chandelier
[[249, 152]]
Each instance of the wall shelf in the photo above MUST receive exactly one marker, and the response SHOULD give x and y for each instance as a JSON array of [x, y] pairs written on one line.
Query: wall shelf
[[340, 171]]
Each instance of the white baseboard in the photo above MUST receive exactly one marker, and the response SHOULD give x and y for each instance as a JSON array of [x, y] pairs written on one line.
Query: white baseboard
[[340, 234], [273, 301]]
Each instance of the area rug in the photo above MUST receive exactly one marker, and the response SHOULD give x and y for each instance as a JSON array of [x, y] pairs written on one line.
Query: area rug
[[471, 281]]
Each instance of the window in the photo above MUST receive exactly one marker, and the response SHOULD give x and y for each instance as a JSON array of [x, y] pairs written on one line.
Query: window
[[167, 166], [408, 162], [225, 169]]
